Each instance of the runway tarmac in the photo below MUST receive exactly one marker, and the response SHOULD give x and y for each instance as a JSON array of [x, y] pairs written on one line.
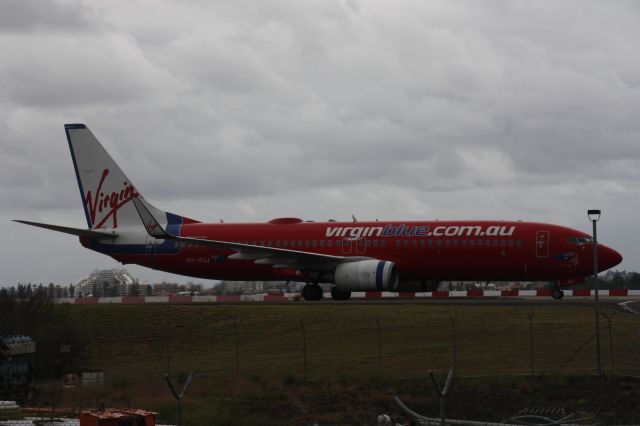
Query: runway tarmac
[[507, 301]]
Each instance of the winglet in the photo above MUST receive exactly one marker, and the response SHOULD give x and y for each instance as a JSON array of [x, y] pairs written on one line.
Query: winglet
[[150, 223]]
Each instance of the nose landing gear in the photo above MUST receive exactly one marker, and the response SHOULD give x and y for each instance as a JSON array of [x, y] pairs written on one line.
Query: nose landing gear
[[556, 293]]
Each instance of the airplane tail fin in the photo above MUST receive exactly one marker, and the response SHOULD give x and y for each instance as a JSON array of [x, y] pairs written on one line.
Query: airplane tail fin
[[105, 190]]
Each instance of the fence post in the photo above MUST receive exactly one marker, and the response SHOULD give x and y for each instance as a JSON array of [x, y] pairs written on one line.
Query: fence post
[[442, 393], [100, 347], [454, 337], [530, 315], [379, 347], [235, 327], [179, 396], [609, 318], [304, 348], [167, 350]]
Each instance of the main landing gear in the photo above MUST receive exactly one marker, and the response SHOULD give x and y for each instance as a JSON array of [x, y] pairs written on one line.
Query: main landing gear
[[338, 294], [312, 292]]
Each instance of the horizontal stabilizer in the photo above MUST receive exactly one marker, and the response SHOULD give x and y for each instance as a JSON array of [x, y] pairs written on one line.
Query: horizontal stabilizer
[[73, 231]]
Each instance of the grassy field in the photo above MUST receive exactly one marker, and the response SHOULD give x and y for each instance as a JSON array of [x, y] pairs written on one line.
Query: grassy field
[[341, 364]]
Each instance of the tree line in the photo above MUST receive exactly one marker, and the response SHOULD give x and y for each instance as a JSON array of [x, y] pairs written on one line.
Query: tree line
[[613, 280], [106, 289], [41, 291]]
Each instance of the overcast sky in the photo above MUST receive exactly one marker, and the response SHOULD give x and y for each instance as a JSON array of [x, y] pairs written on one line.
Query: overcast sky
[[249, 110]]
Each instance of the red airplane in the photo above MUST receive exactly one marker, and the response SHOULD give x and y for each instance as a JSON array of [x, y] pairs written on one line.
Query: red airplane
[[391, 256]]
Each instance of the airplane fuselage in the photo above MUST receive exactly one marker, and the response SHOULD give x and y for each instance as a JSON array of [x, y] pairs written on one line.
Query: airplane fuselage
[[440, 250]]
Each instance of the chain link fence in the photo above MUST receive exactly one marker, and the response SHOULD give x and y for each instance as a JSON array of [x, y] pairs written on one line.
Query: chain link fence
[[537, 341]]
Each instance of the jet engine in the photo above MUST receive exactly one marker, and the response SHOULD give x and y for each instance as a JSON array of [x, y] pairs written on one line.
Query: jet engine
[[366, 275]]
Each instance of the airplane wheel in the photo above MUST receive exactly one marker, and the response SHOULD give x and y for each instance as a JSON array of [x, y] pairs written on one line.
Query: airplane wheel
[[338, 294], [312, 292], [557, 294]]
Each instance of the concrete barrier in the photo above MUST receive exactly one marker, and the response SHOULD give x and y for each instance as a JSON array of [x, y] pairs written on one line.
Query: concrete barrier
[[129, 300]]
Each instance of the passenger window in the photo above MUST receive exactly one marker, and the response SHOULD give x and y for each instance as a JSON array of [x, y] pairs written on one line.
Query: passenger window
[[382, 243], [479, 243], [422, 243], [455, 243], [439, 243], [519, 243], [495, 243], [398, 242], [503, 243], [447, 243], [330, 243], [430, 243], [321, 243], [406, 243], [415, 243], [314, 243], [464, 243], [510, 243]]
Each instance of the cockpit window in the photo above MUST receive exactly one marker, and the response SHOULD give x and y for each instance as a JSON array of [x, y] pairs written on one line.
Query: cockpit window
[[581, 240]]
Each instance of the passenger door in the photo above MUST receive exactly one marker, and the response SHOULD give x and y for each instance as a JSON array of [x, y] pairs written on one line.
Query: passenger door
[[542, 243]]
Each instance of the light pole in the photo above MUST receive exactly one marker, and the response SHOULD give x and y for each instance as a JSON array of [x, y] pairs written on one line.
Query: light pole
[[594, 216]]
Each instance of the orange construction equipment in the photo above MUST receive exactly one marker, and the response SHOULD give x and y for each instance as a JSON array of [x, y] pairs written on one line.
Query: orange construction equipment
[[116, 417]]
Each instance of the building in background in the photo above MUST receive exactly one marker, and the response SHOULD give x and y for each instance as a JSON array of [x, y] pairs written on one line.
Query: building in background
[[253, 287], [164, 288], [240, 287], [107, 282]]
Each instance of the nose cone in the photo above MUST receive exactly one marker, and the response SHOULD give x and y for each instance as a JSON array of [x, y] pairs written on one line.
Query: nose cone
[[607, 258]]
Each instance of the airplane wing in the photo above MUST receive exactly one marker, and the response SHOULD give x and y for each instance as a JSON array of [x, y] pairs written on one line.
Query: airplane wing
[[73, 231], [278, 257]]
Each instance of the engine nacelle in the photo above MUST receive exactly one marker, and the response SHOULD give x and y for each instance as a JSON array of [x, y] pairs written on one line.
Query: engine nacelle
[[366, 275]]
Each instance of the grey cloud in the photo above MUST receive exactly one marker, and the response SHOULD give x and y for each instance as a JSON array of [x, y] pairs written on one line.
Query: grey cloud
[[61, 70], [24, 16]]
